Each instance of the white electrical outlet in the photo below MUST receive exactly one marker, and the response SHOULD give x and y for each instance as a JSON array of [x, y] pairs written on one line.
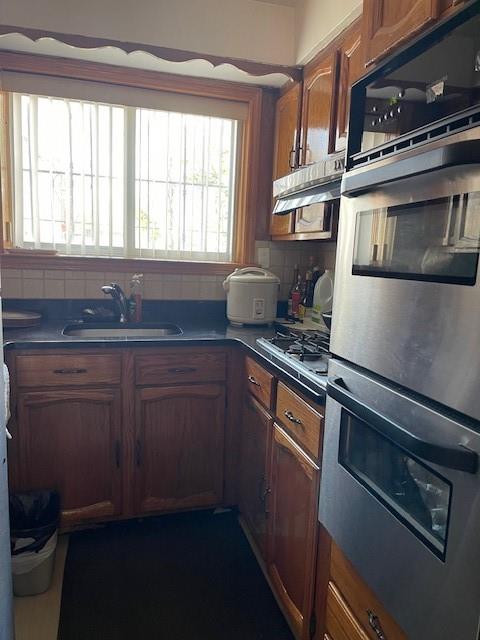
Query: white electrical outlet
[[264, 257]]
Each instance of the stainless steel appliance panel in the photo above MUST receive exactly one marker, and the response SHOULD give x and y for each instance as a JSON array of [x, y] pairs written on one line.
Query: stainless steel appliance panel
[[432, 592], [410, 311]]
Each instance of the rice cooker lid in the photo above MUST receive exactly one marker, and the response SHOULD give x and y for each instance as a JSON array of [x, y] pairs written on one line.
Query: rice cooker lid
[[255, 275]]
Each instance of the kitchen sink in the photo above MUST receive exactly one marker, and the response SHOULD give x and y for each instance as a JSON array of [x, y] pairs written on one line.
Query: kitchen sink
[[117, 330]]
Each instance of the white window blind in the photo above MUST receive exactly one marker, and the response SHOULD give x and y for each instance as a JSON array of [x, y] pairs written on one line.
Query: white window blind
[[100, 179]]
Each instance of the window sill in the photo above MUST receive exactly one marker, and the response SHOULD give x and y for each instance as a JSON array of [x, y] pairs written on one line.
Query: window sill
[[122, 265]]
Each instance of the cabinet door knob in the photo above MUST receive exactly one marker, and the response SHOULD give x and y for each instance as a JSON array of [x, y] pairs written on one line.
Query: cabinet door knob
[[289, 415], [253, 381], [374, 622]]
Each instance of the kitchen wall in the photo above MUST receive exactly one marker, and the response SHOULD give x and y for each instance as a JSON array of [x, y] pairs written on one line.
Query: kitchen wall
[[317, 22], [59, 284], [249, 29]]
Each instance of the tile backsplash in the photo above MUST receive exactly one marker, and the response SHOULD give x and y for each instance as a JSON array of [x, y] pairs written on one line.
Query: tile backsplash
[[68, 284]]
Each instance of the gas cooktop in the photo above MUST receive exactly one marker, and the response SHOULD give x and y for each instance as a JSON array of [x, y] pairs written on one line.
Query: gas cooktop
[[305, 352]]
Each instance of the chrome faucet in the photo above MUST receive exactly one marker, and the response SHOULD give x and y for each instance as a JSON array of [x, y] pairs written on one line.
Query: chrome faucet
[[120, 299]]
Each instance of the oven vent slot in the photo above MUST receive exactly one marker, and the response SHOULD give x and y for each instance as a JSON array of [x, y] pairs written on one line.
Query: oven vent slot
[[419, 137]]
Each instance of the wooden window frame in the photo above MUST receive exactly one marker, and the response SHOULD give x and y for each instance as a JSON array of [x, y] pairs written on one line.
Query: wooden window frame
[[248, 184]]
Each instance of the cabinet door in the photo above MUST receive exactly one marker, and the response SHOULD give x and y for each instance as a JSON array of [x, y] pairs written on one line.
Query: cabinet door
[[351, 66], [294, 482], [447, 7], [287, 123], [287, 133], [69, 440], [256, 434], [179, 447], [318, 109], [387, 23]]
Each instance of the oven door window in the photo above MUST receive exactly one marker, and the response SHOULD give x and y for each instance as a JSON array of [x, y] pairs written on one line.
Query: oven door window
[[414, 493], [436, 240]]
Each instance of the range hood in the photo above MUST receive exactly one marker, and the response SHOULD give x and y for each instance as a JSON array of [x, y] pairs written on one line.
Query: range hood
[[319, 182]]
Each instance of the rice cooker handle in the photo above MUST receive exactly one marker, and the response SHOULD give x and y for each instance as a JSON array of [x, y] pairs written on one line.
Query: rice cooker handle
[[226, 282], [250, 270]]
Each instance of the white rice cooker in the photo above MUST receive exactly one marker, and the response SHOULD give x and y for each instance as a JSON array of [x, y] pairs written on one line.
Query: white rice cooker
[[251, 296]]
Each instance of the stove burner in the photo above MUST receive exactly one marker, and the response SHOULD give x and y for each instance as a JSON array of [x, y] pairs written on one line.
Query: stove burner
[[304, 345], [305, 350]]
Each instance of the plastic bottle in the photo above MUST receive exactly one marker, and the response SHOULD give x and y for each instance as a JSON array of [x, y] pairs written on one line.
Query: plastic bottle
[[297, 298], [323, 296], [135, 302], [307, 300], [290, 293]]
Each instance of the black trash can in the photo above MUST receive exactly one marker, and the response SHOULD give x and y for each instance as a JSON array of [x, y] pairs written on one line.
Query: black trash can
[[34, 517]]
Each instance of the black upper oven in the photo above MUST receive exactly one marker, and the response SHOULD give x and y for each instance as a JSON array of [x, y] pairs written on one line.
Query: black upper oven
[[426, 91]]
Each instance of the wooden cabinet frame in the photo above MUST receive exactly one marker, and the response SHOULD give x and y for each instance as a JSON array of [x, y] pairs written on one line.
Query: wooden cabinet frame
[[380, 38]]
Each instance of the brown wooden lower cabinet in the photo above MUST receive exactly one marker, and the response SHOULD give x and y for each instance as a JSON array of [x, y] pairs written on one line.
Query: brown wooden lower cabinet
[[340, 623], [179, 447], [253, 490], [70, 440], [112, 449], [292, 507], [345, 606]]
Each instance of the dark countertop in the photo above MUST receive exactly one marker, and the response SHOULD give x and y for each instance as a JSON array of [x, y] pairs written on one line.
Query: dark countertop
[[49, 336]]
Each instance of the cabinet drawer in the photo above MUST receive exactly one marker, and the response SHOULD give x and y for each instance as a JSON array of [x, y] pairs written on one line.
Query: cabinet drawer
[[66, 370], [340, 622], [363, 603], [169, 368], [260, 383], [300, 419]]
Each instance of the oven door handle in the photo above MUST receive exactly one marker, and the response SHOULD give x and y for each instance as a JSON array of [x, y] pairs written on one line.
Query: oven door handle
[[459, 458], [450, 156]]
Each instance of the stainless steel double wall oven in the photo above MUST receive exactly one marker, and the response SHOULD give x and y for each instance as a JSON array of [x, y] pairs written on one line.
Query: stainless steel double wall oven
[[400, 481]]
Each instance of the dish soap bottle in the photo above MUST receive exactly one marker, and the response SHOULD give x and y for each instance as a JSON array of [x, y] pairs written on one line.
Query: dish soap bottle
[[135, 302], [323, 296]]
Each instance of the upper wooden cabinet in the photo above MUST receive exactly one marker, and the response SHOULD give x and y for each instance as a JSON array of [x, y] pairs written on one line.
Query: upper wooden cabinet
[[388, 23], [287, 148], [287, 131], [351, 66], [318, 114], [324, 102]]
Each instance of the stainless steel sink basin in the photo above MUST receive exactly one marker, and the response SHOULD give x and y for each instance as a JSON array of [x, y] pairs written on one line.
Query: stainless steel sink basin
[[118, 330]]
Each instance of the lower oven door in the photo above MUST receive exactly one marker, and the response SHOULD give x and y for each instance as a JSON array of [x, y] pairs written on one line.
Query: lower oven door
[[400, 495]]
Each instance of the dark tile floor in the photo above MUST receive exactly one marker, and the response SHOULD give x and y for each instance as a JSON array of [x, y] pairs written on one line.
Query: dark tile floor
[[176, 577]]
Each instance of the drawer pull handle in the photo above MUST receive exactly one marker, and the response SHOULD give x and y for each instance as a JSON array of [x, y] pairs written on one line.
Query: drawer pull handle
[[138, 453], [374, 622], [117, 454], [67, 371], [254, 381], [289, 415], [265, 495], [182, 370]]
